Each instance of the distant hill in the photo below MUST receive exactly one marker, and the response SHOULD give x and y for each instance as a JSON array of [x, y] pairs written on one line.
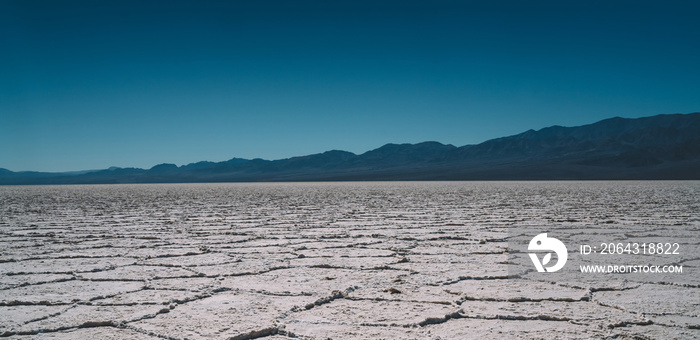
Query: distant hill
[[658, 147]]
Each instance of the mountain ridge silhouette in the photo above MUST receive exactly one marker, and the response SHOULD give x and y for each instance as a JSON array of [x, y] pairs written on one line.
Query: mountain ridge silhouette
[[656, 148]]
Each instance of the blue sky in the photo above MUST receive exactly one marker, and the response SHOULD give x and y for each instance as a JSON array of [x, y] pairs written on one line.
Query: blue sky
[[93, 84]]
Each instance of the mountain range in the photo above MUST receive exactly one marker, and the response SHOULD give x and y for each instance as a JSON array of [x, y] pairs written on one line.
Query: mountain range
[[658, 148]]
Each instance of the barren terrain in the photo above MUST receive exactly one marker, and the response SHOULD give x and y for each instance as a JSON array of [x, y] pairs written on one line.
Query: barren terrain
[[386, 260]]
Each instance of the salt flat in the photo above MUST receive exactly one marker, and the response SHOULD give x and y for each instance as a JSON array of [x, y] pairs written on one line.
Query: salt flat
[[384, 260]]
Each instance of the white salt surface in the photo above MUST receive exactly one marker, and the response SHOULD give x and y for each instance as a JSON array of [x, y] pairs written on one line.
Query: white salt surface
[[331, 260]]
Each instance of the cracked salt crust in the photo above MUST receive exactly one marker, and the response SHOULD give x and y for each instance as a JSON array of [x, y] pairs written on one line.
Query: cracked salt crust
[[331, 260]]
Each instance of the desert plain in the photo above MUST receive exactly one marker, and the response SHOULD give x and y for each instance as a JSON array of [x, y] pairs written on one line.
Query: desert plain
[[352, 260]]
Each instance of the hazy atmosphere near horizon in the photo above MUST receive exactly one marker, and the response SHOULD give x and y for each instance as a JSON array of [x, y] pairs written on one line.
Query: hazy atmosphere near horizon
[[93, 84]]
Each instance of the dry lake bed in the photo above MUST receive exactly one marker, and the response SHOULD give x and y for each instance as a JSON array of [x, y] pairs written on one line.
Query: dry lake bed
[[385, 260]]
